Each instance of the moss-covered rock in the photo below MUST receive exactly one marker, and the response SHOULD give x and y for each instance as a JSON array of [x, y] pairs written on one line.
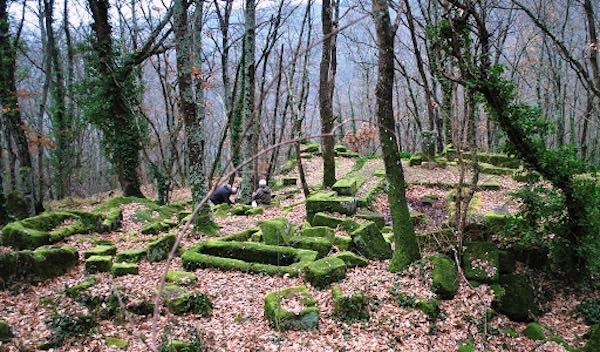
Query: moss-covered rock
[[346, 186], [495, 221], [98, 264], [277, 231], [120, 269], [310, 147], [325, 271], [340, 148], [74, 290], [159, 249], [324, 219], [593, 343], [321, 245], [415, 159], [16, 205], [179, 301], [5, 331], [156, 227], [444, 277], [501, 160], [329, 202], [247, 256], [343, 243], [369, 242], [282, 319], [377, 218], [518, 301], [535, 331], [46, 228], [466, 346], [481, 261], [131, 255], [183, 278], [180, 346], [351, 259], [289, 181], [100, 250], [43, 263], [255, 211], [507, 262], [240, 209], [116, 342], [140, 307], [317, 231], [354, 307]]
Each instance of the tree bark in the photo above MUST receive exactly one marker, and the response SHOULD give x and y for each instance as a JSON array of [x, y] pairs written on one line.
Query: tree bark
[[407, 249]]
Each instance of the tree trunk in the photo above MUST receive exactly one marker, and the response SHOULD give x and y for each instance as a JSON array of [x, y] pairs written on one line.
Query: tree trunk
[[326, 86], [407, 249]]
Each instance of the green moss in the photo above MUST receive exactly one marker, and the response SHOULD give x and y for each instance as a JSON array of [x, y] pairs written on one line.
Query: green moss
[[254, 211], [369, 242], [323, 272], [159, 249], [5, 331], [120, 269], [466, 346], [156, 227], [351, 260], [507, 262], [241, 236], [289, 181], [240, 209], [53, 261], [180, 346], [372, 216], [116, 342], [481, 261], [100, 250], [346, 186], [131, 255], [431, 307], [282, 319], [221, 210], [179, 301], [347, 154], [324, 219], [340, 148], [329, 202], [247, 256], [320, 245], [350, 308], [415, 159], [98, 264], [310, 147], [519, 301], [500, 160], [535, 331], [444, 276], [559, 340], [75, 290], [141, 308], [183, 278], [277, 231], [496, 221], [343, 243], [593, 344], [317, 231]]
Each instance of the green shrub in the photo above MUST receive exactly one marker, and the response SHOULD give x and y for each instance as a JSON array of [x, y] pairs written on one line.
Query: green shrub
[[64, 326], [590, 310]]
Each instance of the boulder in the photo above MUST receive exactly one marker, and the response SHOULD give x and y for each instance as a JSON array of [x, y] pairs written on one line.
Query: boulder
[[306, 317], [120, 269], [325, 271], [53, 261], [444, 277], [351, 259], [369, 242], [277, 231], [98, 264], [354, 307], [131, 255], [183, 278], [518, 301], [481, 261], [159, 249]]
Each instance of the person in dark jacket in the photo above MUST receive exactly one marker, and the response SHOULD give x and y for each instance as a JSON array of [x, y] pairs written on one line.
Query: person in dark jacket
[[221, 195], [262, 196]]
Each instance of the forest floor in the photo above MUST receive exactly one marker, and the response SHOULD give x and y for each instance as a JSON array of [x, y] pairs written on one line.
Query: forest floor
[[237, 321]]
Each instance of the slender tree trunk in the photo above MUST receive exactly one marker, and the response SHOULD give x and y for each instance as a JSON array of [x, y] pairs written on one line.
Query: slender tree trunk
[[326, 86], [11, 111], [407, 249]]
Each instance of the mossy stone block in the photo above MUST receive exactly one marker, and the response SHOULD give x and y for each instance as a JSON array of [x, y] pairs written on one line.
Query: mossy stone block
[[282, 319], [415, 159], [5, 331], [98, 264], [254, 211], [321, 245], [116, 342], [507, 262], [377, 218], [120, 269], [141, 308], [277, 231], [481, 261], [346, 186], [340, 148], [240, 209], [156, 227], [329, 202], [354, 307], [317, 231], [131, 255], [444, 276], [183, 278], [180, 346], [179, 301], [466, 346], [496, 221], [351, 259], [53, 261], [289, 181], [518, 302], [75, 290], [321, 273], [240, 236], [343, 243], [535, 331], [369, 242], [100, 250], [159, 249]]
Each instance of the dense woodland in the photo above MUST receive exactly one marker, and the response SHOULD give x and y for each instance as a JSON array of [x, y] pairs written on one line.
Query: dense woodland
[[432, 165]]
